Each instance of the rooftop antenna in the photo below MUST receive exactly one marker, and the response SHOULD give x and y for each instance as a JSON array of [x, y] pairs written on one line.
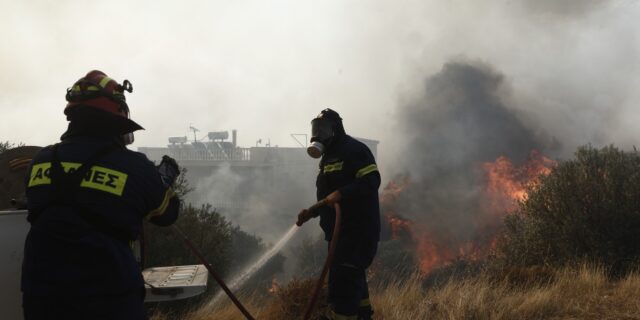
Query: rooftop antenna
[[295, 137], [194, 129]]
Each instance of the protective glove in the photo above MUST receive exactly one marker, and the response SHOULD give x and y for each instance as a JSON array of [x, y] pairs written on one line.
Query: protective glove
[[169, 171], [312, 212]]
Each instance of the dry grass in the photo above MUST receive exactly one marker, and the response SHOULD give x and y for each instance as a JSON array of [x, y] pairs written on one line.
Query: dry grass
[[582, 293], [289, 302]]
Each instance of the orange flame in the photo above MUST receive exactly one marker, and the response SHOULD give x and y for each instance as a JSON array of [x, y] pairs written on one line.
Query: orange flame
[[506, 185], [398, 225], [275, 286], [392, 191]]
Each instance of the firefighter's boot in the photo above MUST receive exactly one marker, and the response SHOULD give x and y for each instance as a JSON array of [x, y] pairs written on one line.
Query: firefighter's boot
[[365, 313]]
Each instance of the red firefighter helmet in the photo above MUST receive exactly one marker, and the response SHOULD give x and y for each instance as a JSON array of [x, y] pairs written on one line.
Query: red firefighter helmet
[[99, 92]]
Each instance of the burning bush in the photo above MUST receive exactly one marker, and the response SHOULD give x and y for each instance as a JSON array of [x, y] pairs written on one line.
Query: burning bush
[[438, 243], [585, 209]]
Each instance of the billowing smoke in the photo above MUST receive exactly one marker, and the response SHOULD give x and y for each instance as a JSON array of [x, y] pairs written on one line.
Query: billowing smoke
[[460, 120], [263, 199], [564, 8]]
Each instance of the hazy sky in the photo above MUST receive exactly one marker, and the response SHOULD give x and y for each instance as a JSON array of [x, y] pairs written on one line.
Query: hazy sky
[[266, 68]]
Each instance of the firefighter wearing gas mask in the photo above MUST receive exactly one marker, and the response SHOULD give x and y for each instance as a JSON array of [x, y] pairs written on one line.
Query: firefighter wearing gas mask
[[348, 175], [87, 197]]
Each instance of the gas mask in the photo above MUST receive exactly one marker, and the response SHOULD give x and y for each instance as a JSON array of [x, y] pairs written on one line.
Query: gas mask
[[321, 135], [315, 150]]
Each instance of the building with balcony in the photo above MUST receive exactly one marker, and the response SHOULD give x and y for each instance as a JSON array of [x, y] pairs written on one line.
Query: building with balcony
[[245, 184]]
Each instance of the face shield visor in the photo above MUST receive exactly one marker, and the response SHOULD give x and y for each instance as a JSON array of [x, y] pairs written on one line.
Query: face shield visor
[[321, 135], [321, 130], [127, 138]]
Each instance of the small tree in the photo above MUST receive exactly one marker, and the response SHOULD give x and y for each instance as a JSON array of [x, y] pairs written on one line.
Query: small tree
[[6, 145], [587, 208], [228, 248], [206, 228]]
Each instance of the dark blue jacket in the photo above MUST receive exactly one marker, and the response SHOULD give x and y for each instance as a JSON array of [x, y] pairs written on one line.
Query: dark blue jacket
[[82, 247], [349, 166]]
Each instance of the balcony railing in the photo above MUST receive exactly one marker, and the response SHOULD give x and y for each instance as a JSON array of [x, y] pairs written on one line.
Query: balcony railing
[[236, 154]]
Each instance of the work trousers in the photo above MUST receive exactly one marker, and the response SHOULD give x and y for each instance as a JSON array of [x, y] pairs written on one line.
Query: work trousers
[[348, 289], [108, 307]]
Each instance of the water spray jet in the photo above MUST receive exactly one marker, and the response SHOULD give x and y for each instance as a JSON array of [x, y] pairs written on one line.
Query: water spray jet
[[215, 276], [244, 276], [239, 280]]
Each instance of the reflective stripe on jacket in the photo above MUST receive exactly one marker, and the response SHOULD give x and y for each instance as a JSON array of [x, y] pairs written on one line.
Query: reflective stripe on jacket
[[349, 166]]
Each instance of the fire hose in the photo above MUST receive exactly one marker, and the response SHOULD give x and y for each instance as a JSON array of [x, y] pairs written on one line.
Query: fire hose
[[327, 262], [215, 276], [318, 287]]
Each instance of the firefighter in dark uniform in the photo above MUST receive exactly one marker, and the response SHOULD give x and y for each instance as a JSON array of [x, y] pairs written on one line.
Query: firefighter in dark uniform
[[87, 197], [348, 175]]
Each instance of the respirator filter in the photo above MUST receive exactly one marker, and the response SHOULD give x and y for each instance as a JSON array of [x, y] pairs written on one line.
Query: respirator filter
[[315, 150]]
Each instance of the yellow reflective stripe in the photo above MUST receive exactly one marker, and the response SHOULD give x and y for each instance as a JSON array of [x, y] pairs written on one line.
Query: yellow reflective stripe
[[365, 302], [39, 174], [105, 179], [104, 81], [76, 88], [98, 178], [333, 167], [366, 170], [163, 206]]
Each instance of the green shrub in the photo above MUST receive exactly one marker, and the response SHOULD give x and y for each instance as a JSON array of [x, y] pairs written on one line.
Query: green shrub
[[5, 145], [587, 208], [246, 249], [209, 231], [226, 247]]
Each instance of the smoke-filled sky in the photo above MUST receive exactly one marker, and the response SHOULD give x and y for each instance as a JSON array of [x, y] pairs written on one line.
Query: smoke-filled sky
[[267, 67]]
